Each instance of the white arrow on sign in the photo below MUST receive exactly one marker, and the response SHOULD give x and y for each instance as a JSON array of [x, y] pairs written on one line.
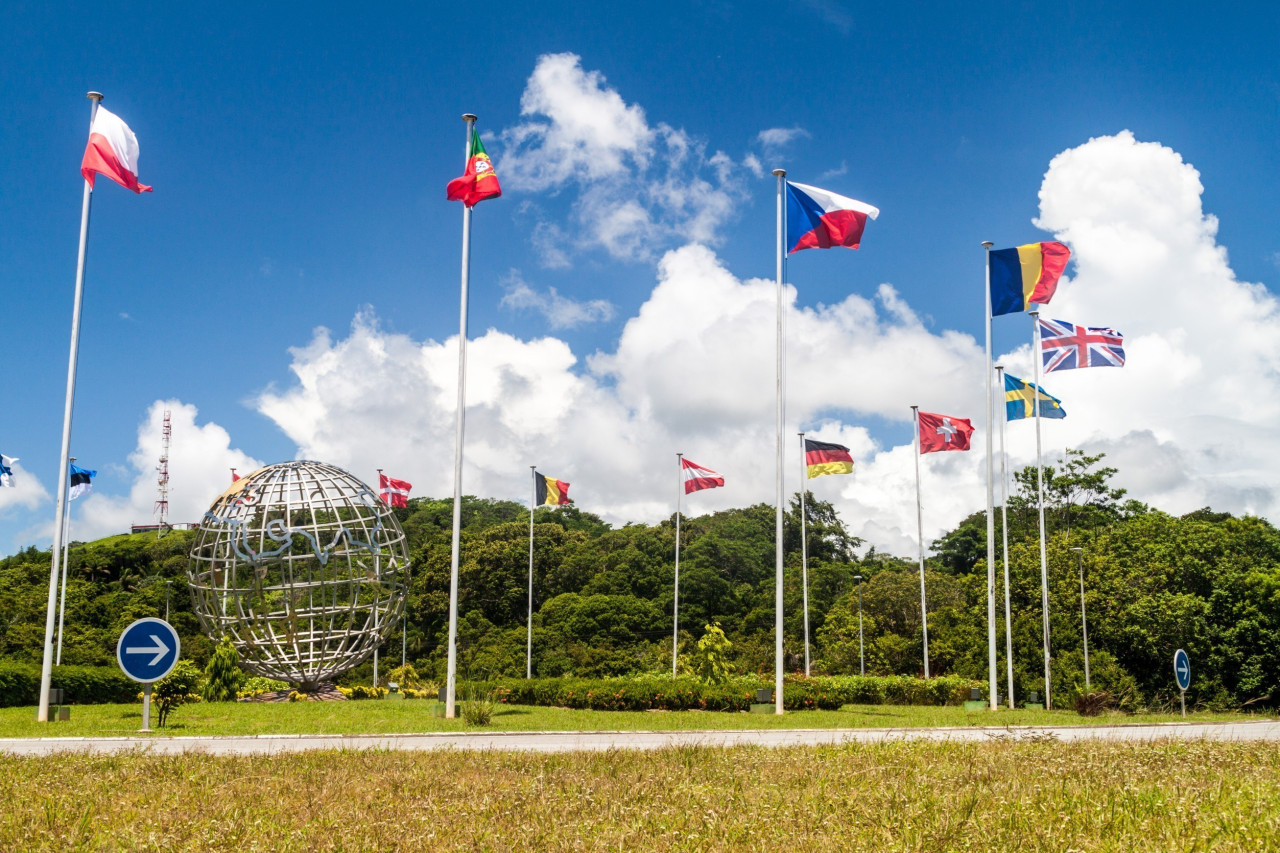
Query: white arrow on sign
[[1182, 666], [159, 648]]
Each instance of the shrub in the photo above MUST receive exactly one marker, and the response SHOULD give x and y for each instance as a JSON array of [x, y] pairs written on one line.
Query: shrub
[[477, 709], [361, 691], [222, 677], [407, 677], [711, 658], [81, 685], [178, 688], [257, 685]]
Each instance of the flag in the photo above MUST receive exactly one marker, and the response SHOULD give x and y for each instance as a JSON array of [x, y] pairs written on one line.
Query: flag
[[943, 432], [394, 492], [234, 475], [822, 458], [1025, 275], [1066, 346], [479, 181], [550, 491], [81, 481], [697, 478], [6, 473], [818, 219], [1020, 397], [112, 151]]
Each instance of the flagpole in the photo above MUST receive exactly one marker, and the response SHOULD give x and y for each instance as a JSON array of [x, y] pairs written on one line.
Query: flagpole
[[1044, 563], [991, 520], [62, 596], [46, 667], [781, 175], [804, 553], [533, 500], [675, 600], [451, 678], [1004, 529], [924, 617]]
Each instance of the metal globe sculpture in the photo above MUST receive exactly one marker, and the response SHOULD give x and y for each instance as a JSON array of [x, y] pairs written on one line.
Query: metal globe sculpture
[[302, 567]]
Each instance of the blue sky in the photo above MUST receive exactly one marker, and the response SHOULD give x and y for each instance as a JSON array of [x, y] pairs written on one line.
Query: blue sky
[[299, 156]]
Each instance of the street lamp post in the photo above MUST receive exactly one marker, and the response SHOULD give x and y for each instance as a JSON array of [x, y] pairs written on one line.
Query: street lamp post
[[1084, 623], [862, 662]]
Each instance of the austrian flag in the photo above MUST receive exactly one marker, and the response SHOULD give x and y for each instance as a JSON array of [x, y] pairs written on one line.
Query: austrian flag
[[112, 151], [697, 478], [943, 432]]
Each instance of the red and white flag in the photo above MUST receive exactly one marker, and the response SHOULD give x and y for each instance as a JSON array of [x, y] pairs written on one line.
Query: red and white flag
[[394, 492], [697, 478], [112, 151], [943, 432]]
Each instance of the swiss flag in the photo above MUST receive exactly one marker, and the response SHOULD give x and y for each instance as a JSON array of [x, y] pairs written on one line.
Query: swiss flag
[[943, 432]]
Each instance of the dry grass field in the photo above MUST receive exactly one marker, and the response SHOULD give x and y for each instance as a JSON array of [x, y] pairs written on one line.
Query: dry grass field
[[1002, 795]]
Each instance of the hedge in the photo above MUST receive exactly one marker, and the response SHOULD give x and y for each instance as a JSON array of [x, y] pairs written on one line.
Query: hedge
[[648, 692], [82, 685]]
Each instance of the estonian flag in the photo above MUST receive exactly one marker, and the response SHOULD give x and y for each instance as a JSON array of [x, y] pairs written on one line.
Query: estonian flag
[[6, 473], [81, 481]]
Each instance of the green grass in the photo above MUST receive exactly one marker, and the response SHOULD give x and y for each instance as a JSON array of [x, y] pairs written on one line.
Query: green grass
[[1038, 796], [383, 716]]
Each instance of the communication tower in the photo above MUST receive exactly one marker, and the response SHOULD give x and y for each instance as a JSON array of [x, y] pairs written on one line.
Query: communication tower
[[162, 477]]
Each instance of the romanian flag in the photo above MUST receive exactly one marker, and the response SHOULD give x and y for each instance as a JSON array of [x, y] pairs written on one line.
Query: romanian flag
[[549, 491], [823, 458], [479, 181], [1021, 397], [1025, 275]]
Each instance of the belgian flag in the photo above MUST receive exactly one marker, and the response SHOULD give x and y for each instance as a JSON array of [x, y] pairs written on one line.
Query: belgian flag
[[549, 491], [823, 458]]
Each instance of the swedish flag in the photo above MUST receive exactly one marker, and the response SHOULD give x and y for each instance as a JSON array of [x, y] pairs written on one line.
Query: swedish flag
[[1020, 397]]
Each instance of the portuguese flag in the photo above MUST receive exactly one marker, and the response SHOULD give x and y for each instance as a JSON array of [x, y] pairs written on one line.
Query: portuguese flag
[[549, 491], [479, 181], [821, 458]]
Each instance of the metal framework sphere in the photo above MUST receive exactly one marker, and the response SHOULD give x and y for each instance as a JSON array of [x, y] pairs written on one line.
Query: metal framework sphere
[[303, 567]]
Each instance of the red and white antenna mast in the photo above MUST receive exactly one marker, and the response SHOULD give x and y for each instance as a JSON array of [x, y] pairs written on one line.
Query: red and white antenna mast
[[162, 478]]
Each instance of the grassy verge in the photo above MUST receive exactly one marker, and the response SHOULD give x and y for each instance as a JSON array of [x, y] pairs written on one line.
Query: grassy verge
[[382, 716], [1041, 796]]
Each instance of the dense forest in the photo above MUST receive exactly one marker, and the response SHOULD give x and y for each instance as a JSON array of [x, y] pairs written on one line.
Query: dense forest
[[1207, 582]]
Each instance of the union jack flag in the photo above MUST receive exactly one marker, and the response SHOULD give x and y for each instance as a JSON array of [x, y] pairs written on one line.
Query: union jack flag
[[1066, 346]]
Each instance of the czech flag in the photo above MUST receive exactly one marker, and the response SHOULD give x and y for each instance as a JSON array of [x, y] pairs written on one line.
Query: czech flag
[[697, 478], [818, 219], [112, 151], [1025, 275], [823, 458], [550, 491]]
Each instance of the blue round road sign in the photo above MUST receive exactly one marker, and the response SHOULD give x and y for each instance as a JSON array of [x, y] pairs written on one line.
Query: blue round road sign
[[1182, 669], [148, 649]]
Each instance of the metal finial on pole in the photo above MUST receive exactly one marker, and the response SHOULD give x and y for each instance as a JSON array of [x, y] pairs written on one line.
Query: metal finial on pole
[[991, 520], [46, 667], [924, 608], [780, 174], [804, 553], [1004, 530], [451, 676]]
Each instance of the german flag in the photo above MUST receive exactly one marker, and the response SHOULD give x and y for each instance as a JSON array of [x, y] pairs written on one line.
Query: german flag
[[549, 491], [823, 458]]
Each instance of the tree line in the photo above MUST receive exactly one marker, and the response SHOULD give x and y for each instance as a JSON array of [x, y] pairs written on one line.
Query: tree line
[[1207, 582]]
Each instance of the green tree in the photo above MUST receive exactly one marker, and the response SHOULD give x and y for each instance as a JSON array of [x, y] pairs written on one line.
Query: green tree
[[176, 689], [710, 660], [222, 676]]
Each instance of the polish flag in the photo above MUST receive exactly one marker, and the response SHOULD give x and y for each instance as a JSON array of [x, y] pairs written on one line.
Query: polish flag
[[394, 492], [112, 151], [820, 219], [697, 478]]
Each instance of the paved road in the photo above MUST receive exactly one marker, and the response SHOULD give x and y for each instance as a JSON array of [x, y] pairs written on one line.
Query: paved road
[[598, 741]]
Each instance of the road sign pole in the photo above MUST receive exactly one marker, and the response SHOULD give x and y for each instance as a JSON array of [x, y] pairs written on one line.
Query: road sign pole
[[1182, 694], [146, 707]]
